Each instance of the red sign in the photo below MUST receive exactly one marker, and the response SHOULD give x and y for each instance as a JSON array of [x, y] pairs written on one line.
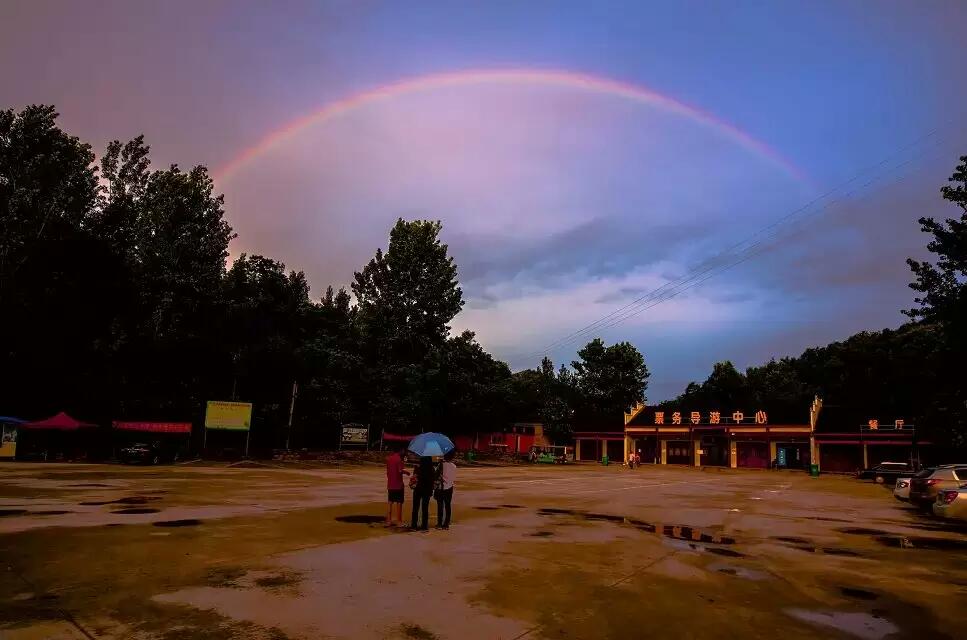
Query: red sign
[[154, 427]]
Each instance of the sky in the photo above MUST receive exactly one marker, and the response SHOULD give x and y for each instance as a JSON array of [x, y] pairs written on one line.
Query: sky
[[764, 161]]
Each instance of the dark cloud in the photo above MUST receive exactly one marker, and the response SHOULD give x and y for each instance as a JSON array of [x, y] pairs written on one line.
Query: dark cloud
[[600, 247]]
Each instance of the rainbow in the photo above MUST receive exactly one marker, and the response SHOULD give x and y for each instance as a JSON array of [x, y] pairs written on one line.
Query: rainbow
[[528, 77]]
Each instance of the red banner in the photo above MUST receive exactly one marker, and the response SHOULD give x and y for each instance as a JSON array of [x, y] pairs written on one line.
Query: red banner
[[392, 437], [154, 427]]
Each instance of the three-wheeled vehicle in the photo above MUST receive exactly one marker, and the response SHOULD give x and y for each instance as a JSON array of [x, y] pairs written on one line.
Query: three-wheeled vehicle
[[550, 454]]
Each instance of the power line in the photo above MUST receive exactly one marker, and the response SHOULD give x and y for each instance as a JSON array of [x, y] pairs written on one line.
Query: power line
[[740, 260], [714, 264]]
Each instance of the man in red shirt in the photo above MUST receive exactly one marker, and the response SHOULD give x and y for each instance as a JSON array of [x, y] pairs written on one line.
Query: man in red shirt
[[394, 487]]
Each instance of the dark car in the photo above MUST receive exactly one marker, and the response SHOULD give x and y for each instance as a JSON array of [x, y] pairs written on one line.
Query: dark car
[[153, 453], [886, 472]]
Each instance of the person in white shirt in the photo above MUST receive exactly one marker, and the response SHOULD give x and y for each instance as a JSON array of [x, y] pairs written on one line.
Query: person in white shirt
[[444, 491]]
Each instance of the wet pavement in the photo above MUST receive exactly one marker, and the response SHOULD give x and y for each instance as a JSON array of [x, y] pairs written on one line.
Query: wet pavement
[[206, 551]]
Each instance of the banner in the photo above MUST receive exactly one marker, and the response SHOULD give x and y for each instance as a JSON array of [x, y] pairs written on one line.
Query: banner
[[154, 427], [355, 434], [228, 415]]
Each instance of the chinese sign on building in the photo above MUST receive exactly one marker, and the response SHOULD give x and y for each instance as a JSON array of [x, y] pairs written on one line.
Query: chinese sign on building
[[709, 418]]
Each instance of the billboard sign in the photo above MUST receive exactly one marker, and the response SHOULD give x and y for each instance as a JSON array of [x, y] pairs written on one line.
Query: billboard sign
[[236, 416], [355, 434]]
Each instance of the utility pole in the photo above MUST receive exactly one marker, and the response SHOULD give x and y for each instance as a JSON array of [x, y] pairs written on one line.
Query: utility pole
[[288, 433]]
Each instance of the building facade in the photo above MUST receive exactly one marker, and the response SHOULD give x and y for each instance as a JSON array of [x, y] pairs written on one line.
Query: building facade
[[717, 438], [835, 439]]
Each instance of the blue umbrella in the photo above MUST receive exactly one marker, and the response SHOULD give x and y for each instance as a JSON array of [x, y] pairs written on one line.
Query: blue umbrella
[[430, 444]]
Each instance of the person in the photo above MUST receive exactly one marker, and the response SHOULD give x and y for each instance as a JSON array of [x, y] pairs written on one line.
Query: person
[[638, 459], [422, 491], [444, 491], [394, 486]]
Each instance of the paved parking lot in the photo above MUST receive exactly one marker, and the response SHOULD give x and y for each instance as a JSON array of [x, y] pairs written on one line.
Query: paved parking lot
[[198, 551]]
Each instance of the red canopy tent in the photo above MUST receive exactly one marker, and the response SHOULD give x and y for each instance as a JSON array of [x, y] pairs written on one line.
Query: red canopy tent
[[60, 422]]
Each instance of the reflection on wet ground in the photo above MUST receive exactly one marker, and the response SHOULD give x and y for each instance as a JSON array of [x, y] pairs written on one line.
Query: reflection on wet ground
[[679, 532]]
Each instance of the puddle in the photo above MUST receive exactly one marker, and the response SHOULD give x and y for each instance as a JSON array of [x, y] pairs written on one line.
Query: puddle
[[916, 542], [12, 512], [541, 534], [824, 519], [669, 531], [604, 516], [738, 572], [127, 500], [791, 539], [861, 625], [837, 551], [729, 553], [512, 506], [187, 522], [487, 508], [224, 576], [361, 519], [49, 513], [136, 510], [416, 632], [859, 594], [281, 580], [862, 531], [547, 511], [89, 484]]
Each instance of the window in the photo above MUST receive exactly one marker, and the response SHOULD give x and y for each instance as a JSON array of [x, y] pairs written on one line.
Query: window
[[961, 473]]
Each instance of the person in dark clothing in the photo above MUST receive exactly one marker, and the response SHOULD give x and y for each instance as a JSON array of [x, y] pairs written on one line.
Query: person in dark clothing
[[422, 492]]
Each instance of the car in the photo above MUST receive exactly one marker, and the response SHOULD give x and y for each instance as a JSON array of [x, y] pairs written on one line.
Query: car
[[901, 490], [925, 487], [144, 453], [951, 503], [886, 472]]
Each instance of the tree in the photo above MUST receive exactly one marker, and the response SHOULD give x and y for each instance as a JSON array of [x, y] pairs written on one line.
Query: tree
[[411, 292], [167, 227], [57, 278], [406, 299], [610, 379], [943, 299], [944, 285]]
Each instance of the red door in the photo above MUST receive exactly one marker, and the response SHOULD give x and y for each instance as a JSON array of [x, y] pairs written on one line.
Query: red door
[[752, 455]]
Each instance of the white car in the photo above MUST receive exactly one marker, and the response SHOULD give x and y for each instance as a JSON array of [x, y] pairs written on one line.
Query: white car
[[951, 503], [901, 491]]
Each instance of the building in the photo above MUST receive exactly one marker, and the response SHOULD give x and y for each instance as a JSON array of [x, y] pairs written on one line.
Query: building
[[705, 438], [848, 439], [514, 440], [837, 439]]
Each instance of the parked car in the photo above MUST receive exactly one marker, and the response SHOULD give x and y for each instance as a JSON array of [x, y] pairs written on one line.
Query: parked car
[[886, 472], [925, 487], [153, 453], [951, 503], [901, 490]]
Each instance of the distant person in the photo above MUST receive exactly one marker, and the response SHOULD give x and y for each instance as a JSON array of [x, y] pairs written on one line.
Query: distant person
[[394, 486], [444, 491], [422, 492]]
